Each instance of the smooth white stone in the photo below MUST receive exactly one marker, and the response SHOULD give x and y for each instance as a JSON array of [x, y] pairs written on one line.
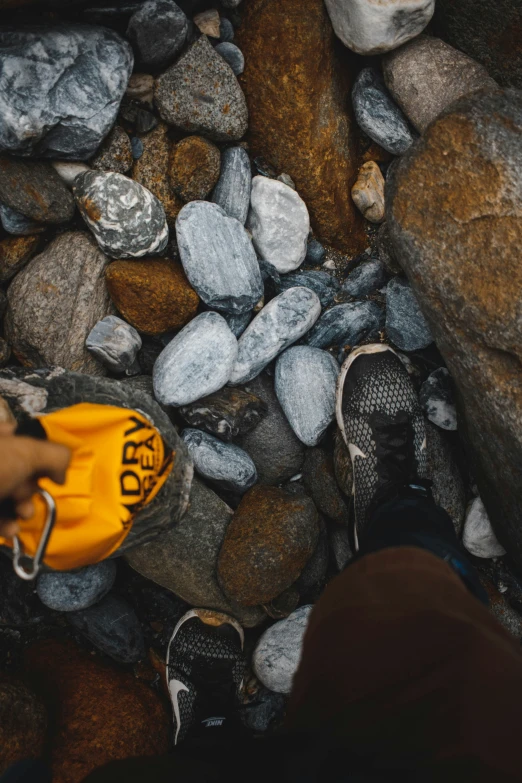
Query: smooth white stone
[[479, 537], [278, 652]]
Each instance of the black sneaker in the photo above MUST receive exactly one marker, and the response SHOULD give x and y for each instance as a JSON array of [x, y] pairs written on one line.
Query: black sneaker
[[205, 670], [382, 424]]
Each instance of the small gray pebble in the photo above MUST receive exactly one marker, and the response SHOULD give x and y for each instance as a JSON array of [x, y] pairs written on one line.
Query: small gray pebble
[[315, 252], [70, 591], [115, 343], [137, 147], [224, 463], [226, 30], [232, 55], [367, 277], [346, 324], [323, 283], [378, 115], [232, 192]]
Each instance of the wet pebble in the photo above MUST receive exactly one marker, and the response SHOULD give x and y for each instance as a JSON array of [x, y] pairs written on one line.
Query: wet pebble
[[324, 284], [378, 115], [436, 397], [405, 324], [232, 55], [115, 343], [346, 324], [367, 277], [70, 591], [224, 463]]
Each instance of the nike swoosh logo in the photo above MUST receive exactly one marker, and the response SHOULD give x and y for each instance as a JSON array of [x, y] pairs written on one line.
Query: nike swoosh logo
[[355, 451], [175, 687]]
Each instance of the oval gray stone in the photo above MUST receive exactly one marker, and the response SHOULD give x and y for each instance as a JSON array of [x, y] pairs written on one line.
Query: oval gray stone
[[228, 465], [346, 324], [280, 323], [70, 591], [232, 55], [323, 283], [112, 626], [158, 30], [278, 651], [115, 343], [196, 362], [405, 324], [378, 115], [367, 277], [218, 258], [305, 382], [232, 191], [127, 220]]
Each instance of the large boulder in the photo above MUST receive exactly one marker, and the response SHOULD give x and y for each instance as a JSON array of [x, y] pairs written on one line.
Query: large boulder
[[301, 124], [454, 212]]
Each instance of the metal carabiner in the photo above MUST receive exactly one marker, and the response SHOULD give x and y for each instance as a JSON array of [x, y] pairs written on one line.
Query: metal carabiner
[[18, 550]]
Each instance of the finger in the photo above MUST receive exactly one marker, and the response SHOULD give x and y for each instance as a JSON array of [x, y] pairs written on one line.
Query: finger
[[50, 460], [8, 529], [7, 428], [25, 491], [25, 509]]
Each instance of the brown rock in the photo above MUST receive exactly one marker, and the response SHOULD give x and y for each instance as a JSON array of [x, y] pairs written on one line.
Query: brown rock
[[227, 413], [152, 171], [153, 295], [100, 713], [368, 192], [15, 252], [207, 23], [455, 218], [296, 85], [195, 164], [319, 480], [270, 539], [23, 722], [115, 154], [343, 464], [35, 189]]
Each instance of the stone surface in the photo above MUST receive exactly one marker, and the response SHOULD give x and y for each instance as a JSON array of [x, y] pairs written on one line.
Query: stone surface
[[158, 30], [324, 284], [70, 591], [115, 343], [277, 452], [343, 464], [207, 23], [377, 26], [465, 176], [378, 115], [406, 326], [141, 88], [220, 111], [280, 323], [15, 252], [60, 88], [315, 252], [35, 190], [319, 480], [305, 383], [152, 170], [238, 323], [23, 723], [436, 397], [367, 277], [100, 713], [153, 295], [346, 324], [184, 559], [226, 413], [223, 463], [266, 709], [385, 251], [271, 537], [112, 626], [479, 537], [218, 258], [5, 352], [68, 170], [448, 487], [302, 125], [278, 651], [115, 154], [341, 547], [312, 580], [232, 191], [279, 223], [15, 223], [226, 29], [54, 303], [368, 192], [428, 75], [197, 362], [194, 168], [232, 55], [127, 220]]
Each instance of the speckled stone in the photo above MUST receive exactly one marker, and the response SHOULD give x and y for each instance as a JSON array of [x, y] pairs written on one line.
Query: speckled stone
[[15, 252], [226, 464], [378, 115], [70, 591], [279, 223], [448, 488], [197, 362], [15, 223], [305, 383], [232, 55], [436, 397], [152, 170], [405, 324], [346, 324], [232, 191], [34, 189], [158, 30], [278, 651], [115, 344], [220, 113], [367, 277], [127, 220], [226, 413], [324, 284], [112, 626], [115, 154], [280, 323], [218, 258], [479, 537], [194, 168]]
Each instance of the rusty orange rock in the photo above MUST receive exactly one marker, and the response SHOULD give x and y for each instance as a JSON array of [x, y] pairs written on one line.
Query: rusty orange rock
[[152, 171], [15, 252], [297, 85], [153, 295], [194, 168]]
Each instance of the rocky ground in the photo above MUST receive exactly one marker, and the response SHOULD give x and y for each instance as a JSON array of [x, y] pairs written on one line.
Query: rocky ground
[[204, 208]]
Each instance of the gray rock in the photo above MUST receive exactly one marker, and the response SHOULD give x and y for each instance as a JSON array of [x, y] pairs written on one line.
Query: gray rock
[[266, 709], [35, 190], [115, 343], [305, 383], [5, 352], [280, 323], [226, 30], [428, 75], [15, 223], [278, 651], [378, 115], [136, 147], [226, 464], [183, 560], [448, 487], [315, 252], [313, 576], [197, 362], [232, 191], [115, 154], [279, 223], [437, 399], [55, 301], [277, 453], [158, 30], [323, 283], [127, 220], [218, 258], [238, 323], [71, 591], [68, 170], [341, 547], [226, 413], [367, 277], [200, 94], [346, 324], [405, 324], [319, 480], [60, 88], [112, 626], [385, 251], [479, 537], [232, 55]]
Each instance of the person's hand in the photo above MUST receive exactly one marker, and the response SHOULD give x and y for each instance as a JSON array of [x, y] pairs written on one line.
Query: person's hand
[[22, 462]]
